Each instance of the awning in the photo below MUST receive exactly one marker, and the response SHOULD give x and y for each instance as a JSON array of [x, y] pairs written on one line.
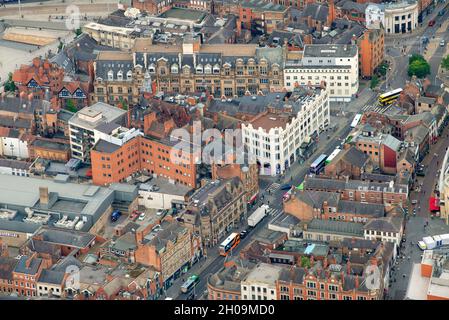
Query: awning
[[253, 198], [434, 204], [300, 187]]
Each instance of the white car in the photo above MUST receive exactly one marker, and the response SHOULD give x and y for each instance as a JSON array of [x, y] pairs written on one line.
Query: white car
[[142, 216], [159, 212], [442, 43]]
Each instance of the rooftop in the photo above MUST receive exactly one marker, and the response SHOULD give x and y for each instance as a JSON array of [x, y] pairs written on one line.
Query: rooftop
[[264, 273], [330, 51], [97, 114]]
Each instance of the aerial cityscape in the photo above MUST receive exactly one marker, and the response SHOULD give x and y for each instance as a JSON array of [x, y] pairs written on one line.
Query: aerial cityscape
[[224, 150]]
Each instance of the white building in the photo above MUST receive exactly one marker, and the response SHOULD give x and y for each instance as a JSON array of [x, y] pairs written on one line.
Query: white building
[[275, 136], [337, 65], [161, 193], [384, 229], [99, 121], [260, 283], [401, 17], [13, 145], [375, 15], [15, 167]]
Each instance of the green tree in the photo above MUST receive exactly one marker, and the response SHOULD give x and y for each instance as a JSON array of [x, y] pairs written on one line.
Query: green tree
[[305, 262], [9, 85], [418, 66], [445, 63], [374, 82], [123, 103], [71, 106]]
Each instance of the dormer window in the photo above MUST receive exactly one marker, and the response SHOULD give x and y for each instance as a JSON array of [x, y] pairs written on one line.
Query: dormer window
[[110, 75], [199, 68], [216, 69], [129, 75], [120, 75], [174, 68], [151, 69], [208, 69]]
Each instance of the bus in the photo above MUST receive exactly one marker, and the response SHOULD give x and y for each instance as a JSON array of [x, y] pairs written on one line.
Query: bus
[[389, 97], [332, 155], [318, 164], [356, 120], [230, 243], [190, 283]]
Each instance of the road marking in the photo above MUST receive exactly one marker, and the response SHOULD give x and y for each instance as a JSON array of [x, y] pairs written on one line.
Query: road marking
[[273, 187]]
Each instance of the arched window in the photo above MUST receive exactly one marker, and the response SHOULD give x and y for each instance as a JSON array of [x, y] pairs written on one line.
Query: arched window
[[151, 68], [199, 68], [120, 75], [129, 75], [208, 69], [174, 68], [216, 69], [110, 75]]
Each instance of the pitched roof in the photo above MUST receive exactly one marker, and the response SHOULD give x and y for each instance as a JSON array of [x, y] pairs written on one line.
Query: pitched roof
[[316, 199], [385, 224], [51, 277]]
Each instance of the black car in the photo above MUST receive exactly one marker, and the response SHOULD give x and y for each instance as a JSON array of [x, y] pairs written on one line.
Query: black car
[[243, 234], [286, 187]]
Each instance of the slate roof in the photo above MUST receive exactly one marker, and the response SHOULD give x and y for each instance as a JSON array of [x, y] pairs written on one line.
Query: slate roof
[[51, 277], [316, 11], [71, 238], [316, 199], [353, 156], [337, 227], [7, 266], [385, 224], [358, 208], [33, 267]]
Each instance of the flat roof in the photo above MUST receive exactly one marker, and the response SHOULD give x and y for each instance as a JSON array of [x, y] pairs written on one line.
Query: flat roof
[[329, 51], [24, 192], [108, 114], [265, 273], [165, 186]]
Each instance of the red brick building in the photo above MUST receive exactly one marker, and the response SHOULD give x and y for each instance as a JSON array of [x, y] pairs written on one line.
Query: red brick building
[[113, 163], [26, 274]]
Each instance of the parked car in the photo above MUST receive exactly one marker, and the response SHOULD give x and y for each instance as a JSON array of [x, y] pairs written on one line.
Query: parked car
[[134, 215], [159, 212], [142, 216], [431, 23], [286, 187], [442, 43], [243, 234]]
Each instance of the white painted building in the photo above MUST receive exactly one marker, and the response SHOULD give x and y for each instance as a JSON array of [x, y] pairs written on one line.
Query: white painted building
[[15, 167], [384, 229], [337, 65], [160, 193], [275, 136], [375, 15], [99, 121], [401, 17], [260, 283], [14, 146]]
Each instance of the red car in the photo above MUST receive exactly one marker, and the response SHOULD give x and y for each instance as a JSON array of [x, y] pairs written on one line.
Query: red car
[[134, 215], [431, 23]]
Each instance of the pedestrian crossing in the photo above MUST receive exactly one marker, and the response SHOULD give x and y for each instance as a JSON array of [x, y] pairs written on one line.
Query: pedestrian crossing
[[274, 212], [375, 108], [273, 187]]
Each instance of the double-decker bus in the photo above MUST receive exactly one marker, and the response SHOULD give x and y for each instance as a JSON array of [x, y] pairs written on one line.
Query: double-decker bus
[[230, 243], [389, 97], [190, 283], [332, 155], [356, 120], [318, 164]]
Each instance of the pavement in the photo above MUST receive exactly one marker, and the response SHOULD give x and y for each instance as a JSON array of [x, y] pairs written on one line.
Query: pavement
[[415, 230]]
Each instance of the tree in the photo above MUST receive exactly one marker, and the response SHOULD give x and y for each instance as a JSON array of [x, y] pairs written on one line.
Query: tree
[[305, 262], [445, 63], [418, 66], [78, 31], [123, 104], [71, 106], [374, 82], [9, 85]]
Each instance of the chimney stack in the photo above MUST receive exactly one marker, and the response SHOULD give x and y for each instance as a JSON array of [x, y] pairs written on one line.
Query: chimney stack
[[43, 195]]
